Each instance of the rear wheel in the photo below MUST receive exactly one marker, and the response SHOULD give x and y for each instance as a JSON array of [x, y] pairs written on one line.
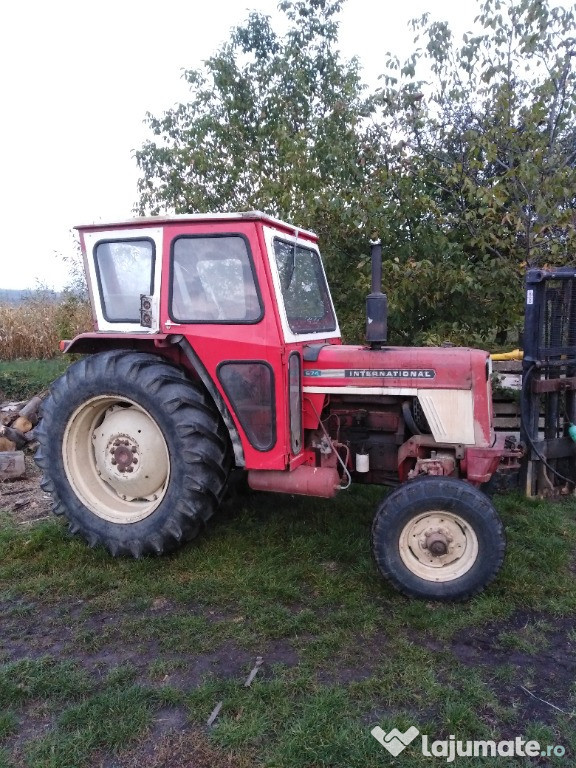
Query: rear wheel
[[134, 455], [438, 538]]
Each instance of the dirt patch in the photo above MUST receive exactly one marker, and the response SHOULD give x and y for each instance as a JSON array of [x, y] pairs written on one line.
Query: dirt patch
[[24, 500], [179, 749], [531, 658], [31, 630], [361, 665]]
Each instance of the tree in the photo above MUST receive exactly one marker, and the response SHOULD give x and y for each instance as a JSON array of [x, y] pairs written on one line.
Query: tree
[[463, 162], [492, 139], [76, 286], [272, 122]]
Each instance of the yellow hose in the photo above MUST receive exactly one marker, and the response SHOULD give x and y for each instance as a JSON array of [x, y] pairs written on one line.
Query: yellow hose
[[516, 354]]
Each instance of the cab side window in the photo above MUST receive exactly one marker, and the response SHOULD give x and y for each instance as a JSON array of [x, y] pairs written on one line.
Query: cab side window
[[213, 281], [125, 270]]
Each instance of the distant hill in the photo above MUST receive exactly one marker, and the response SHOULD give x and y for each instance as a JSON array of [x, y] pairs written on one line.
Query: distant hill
[[12, 295], [16, 296]]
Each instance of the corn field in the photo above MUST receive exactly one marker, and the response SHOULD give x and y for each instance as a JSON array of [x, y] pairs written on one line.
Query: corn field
[[33, 328]]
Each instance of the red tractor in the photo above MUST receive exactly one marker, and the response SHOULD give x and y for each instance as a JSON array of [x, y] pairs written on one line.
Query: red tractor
[[216, 348]]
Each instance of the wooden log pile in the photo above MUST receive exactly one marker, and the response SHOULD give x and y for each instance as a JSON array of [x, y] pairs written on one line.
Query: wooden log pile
[[17, 423]]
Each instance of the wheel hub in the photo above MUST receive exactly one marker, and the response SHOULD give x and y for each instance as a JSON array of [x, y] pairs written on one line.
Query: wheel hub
[[438, 546], [124, 453], [116, 459], [130, 454]]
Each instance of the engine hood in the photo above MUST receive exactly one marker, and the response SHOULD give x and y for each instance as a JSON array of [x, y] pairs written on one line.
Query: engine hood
[[451, 384], [397, 367]]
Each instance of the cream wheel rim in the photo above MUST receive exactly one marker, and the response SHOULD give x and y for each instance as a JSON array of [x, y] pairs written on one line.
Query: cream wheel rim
[[116, 459], [438, 546]]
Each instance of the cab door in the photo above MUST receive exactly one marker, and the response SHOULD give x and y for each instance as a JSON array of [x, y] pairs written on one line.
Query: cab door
[[219, 300]]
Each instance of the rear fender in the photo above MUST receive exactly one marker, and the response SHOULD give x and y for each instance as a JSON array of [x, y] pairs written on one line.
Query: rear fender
[[174, 348]]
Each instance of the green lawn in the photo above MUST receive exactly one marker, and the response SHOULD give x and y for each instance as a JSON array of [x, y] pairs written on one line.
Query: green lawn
[[22, 379], [120, 662]]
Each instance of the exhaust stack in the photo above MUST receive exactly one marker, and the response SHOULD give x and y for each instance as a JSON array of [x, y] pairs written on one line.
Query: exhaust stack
[[376, 302]]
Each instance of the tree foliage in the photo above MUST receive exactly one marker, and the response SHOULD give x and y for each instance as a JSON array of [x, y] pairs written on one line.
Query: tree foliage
[[463, 161], [271, 123], [494, 143]]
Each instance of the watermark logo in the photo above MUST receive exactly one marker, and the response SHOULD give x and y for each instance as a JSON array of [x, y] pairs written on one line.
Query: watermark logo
[[394, 741]]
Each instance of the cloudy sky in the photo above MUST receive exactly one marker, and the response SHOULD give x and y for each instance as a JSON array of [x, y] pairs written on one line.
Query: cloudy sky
[[77, 79]]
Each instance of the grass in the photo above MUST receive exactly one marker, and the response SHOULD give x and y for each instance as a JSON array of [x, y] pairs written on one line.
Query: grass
[[105, 657], [22, 379]]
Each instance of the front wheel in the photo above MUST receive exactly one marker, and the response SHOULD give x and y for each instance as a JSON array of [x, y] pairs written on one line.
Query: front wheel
[[438, 538]]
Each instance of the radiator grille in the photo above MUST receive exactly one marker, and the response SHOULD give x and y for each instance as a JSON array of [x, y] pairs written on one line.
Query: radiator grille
[[558, 321]]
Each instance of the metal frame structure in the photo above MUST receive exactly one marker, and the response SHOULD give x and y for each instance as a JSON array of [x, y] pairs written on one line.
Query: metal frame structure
[[548, 404]]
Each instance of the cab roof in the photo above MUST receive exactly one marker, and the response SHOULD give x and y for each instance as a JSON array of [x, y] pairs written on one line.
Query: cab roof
[[185, 217]]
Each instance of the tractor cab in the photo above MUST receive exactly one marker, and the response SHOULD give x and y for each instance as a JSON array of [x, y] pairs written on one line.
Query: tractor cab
[[237, 296]]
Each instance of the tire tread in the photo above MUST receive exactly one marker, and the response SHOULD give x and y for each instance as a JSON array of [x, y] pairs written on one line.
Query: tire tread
[[452, 493], [198, 429]]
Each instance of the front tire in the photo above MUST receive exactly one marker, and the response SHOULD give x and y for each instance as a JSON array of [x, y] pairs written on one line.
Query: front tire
[[438, 538], [135, 456]]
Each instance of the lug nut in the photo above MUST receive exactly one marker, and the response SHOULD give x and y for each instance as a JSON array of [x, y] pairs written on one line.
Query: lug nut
[[121, 469], [114, 461], [135, 460], [116, 443], [129, 469], [133, 449]]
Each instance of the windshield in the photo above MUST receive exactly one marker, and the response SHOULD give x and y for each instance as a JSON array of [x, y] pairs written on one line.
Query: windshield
[[304, 290]]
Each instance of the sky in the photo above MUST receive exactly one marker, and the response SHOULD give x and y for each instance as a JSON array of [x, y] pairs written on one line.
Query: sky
[[77, 79]]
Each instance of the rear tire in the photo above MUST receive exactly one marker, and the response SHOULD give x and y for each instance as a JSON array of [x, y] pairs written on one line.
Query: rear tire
[[135, 456], [438, 538]]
